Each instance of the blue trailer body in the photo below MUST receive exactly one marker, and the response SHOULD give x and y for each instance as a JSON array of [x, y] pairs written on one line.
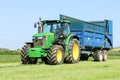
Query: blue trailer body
[[92, 35]]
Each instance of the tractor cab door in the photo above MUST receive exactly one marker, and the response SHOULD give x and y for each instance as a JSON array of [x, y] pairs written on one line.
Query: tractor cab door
[[64, 31], [65, 28]]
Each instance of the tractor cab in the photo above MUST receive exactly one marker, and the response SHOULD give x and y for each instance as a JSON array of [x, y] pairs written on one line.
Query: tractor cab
[[56, 26], [53, 26], [59, 28]]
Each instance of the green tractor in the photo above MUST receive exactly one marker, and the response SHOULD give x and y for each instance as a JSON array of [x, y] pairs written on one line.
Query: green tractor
[[53, 44]]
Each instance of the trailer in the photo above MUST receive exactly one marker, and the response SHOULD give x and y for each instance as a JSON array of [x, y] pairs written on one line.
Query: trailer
[[95, 37]]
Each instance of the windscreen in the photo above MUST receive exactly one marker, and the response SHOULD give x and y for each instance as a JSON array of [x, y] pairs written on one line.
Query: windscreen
[[56, 28]]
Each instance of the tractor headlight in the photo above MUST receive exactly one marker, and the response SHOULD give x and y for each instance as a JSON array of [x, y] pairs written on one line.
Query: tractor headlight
[[33, 38], [40, 37], [37, 37]]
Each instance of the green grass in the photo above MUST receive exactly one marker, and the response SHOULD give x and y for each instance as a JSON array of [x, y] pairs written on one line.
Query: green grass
[[113, 57], [84, 70], [9, 58], [12, 69], [114, 53]]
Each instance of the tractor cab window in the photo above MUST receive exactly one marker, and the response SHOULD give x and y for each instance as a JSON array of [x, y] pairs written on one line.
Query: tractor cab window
[[56, 28], [66, 29], [46, 27], [51, 27]]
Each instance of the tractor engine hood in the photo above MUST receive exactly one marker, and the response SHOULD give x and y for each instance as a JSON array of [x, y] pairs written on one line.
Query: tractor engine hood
[[43, 40], [43, 34]]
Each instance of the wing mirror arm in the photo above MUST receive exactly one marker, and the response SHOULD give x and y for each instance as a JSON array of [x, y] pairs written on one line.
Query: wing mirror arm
[[39, 24]]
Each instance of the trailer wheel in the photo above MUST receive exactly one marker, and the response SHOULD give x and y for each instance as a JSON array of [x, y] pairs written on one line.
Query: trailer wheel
[[104, 53], [55, 55], [24, 56], [74, 52], [98, 55]]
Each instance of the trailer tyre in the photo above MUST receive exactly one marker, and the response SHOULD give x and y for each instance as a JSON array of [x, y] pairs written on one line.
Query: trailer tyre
[[55, 55], [104, 53], [98, 55], [74, 52], [24, 56]]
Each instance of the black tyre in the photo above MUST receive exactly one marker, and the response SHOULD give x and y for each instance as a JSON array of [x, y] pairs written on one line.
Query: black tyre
[[55, 55], [98, 55], [74, 52], [24, 56], [84, 57], [104, 53]]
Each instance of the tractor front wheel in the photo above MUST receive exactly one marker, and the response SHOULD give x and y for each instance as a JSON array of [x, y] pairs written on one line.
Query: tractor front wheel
[[55, 55], [25, 57]]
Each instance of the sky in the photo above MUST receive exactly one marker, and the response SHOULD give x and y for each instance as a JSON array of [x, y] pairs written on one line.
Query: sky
[[17, 17]]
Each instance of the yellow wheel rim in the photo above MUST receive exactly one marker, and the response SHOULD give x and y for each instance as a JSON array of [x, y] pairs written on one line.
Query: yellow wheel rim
[[59, 55], [75, 51]]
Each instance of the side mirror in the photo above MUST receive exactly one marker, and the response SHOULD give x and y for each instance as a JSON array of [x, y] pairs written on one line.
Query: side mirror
[[35, 25]]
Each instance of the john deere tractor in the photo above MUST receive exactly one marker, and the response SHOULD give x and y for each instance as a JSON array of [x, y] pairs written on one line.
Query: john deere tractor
[[53, 44]]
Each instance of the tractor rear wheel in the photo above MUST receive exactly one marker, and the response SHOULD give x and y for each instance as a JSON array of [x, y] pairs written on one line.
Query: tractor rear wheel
[[98, 55], [74, 52], [55, 55], [25, 57]]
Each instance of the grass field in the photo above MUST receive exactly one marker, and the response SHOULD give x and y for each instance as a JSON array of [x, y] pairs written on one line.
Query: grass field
[[84, 70], [12, 69], [9, 58]]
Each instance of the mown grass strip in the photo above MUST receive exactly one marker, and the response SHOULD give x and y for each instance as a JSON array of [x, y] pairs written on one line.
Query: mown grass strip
[[84, 70]]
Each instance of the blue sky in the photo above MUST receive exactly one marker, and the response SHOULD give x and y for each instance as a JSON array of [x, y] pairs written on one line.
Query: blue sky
[[17, 17]]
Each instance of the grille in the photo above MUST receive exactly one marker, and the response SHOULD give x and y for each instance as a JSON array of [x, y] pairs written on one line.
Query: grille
[[38, 42]]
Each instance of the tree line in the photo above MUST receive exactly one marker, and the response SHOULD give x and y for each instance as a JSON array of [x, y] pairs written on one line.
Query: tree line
[[4, 51]]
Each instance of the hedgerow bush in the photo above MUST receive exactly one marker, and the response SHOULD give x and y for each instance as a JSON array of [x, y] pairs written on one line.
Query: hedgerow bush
[[4, 51], [114, 53]]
